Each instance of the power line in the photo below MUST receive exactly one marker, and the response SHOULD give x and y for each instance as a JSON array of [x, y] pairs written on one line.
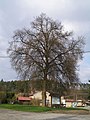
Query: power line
[[86, 52], [4, 57]]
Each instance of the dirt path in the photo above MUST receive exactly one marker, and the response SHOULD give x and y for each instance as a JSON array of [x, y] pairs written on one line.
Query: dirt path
[[17, 115]]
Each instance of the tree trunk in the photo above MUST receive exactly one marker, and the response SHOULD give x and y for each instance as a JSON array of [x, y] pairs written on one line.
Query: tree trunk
[[43, 98], [60, 100], [51, 101], [44, 94]]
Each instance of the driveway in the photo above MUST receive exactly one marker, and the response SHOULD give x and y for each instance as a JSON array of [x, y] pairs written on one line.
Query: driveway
[[17, 115]]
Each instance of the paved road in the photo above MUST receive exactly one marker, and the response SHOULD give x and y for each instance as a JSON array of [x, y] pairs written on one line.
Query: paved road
[[15, 115]]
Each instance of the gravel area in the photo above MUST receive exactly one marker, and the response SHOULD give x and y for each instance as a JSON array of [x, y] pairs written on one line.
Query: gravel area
[[17, 115], [86, 107]]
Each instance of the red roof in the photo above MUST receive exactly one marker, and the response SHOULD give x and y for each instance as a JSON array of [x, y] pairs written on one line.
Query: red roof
[[24, 98], [70, 100]]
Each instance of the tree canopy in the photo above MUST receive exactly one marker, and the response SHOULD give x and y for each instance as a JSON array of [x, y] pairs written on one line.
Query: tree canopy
[[46, 51]]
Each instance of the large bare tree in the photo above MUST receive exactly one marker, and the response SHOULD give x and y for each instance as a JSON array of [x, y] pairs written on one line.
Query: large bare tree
[[46, 51]]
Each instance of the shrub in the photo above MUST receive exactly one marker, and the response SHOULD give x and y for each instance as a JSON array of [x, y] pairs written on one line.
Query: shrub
[[35, 102]]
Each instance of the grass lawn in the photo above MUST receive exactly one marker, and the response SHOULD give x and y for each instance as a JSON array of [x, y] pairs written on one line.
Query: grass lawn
[[29, 108], [26, 108]]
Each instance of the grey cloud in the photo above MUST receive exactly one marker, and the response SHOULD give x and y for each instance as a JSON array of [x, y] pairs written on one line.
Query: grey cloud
[[6, 72], [84, 72]]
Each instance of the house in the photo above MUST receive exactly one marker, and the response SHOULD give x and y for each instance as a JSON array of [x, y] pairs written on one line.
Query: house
[[38, 96], [88, 102], [70, 103], [52, 99], [23, 100], [74, 103], [80, 103]]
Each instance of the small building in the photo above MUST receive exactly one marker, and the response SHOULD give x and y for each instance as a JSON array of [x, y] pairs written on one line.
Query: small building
[[73, 103], [38, 95], [52, 99], [70, 103], [80, 103], [23, 100]]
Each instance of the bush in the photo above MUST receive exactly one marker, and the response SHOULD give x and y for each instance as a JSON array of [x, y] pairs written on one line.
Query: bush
[[6, 97], [35, 102]]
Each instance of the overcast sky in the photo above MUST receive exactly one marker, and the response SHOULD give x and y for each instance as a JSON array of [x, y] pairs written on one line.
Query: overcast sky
[[17, 14]]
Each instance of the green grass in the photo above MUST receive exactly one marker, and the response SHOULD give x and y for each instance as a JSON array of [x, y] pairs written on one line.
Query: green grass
[[26, 108], [29, 108]]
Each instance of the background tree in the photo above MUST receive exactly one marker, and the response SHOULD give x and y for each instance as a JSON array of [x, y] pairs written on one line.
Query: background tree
[[46, 51], [89, 90]]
